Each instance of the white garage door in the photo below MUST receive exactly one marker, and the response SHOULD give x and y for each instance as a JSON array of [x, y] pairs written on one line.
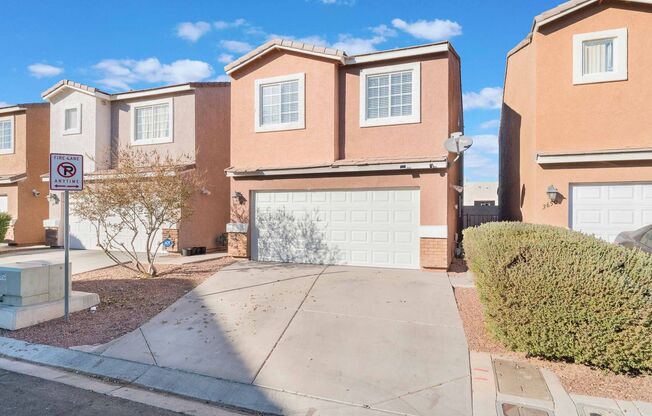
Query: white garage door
[[377, 228], [608, 209], [84, 236]]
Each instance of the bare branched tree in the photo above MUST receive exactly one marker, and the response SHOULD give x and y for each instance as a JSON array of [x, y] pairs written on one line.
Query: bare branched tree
[[143, 193]]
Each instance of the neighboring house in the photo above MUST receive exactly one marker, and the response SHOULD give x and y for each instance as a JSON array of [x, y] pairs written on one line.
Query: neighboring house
[[24, 146], [340, 159], [189, 119], [480, 203], [480, 194], [575, 143]]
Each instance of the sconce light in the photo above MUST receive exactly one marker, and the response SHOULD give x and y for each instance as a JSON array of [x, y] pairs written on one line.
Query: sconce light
[[553, 193], [36, 193], [205, 191], [53, 198]]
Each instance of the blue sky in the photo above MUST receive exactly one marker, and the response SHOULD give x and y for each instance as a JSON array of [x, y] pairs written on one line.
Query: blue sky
[[118, 45]]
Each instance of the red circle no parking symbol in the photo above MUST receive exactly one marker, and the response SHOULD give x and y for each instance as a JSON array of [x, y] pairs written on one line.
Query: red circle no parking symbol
[[66, 169]]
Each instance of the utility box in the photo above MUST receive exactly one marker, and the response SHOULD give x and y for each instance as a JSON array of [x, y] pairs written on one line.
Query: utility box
[[30, 283]]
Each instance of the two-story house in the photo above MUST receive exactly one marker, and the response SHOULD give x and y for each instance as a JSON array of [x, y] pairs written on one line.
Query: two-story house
[[340, 159], [24, 147], [575, 149], [190, 119]]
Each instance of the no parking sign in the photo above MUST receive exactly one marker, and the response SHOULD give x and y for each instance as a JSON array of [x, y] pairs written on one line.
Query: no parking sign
[[66, 172]]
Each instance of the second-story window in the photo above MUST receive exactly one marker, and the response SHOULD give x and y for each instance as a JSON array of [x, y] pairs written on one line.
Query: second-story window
[[280, 103], [152, 122], [72, 119], [6, 135], [390, 95], [600, 56]]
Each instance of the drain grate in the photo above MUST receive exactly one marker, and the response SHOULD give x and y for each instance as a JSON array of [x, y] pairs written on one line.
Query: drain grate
[[588, 410], [509, 409]]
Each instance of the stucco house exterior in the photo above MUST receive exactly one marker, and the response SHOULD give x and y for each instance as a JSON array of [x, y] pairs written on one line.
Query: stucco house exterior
[[189, 119], [340, 159], [575, 146], [24, 147]]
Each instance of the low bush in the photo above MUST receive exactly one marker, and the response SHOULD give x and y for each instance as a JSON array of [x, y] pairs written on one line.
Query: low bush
[[5, 220], [560, 294]]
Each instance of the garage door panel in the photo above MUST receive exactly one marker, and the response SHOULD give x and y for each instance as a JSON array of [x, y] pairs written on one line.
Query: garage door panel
[[343, 226], [608, 209]]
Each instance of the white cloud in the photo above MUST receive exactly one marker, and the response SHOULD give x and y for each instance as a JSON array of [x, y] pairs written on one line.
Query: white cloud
[[432, 30], [342, 2], [221, 24], [490, 124], [4, 104], [225, 58], [488, 98], [236, 46], [121, 73], [356, 45], [192, 31], [222, 78], [44, 70], [486, 144]]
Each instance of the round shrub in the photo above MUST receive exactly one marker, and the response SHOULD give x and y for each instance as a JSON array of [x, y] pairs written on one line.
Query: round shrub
[[5, 221], [560, 294]]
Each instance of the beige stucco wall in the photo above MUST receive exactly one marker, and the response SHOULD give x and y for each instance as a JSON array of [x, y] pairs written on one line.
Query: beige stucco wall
[[545, 112], [88, 143], [183, 143], [315, 144]]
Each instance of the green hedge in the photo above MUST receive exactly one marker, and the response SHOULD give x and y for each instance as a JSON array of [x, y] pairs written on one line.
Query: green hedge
[[5, 220], [560, 294]]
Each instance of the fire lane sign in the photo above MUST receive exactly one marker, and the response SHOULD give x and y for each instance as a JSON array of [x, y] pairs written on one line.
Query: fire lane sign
[[66, 172]]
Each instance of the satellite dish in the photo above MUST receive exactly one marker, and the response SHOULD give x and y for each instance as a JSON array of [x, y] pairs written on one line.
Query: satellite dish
[[458, 143]]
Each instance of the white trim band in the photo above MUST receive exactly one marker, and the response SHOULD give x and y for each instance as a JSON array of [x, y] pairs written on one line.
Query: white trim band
[[607, 156], [433, 231], [341, 169]]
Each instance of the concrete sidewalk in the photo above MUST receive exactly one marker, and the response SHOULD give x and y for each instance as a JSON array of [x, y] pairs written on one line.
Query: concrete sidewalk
[[89, 260], [374, 341]]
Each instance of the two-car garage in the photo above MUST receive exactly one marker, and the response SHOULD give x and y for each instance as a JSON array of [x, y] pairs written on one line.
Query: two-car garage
[[608, 209], [362, 227]]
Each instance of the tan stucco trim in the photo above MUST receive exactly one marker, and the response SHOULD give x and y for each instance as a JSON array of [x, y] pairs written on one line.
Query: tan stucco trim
[[335, 168], [13, 109], [11, 179], [617, 155]]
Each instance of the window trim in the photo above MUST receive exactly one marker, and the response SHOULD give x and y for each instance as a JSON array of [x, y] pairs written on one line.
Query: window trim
[[76, 130], [300, 124], [160, 140], [415, 67], [620, 46], [12, 148]]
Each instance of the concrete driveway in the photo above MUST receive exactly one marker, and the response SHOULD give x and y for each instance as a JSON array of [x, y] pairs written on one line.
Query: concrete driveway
[[389, 340]]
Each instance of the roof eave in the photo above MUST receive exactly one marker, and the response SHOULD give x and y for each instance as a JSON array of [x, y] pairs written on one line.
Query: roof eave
[[230, 69]]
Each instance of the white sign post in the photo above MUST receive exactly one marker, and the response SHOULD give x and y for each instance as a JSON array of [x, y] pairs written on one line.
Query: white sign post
[[66, 174]]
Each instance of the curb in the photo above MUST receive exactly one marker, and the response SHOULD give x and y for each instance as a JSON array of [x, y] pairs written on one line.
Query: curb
[[226, 393]]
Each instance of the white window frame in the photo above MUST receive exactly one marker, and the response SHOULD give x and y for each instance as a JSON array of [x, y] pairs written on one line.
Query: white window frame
[[11, 149], [416, 95], [76, 130], [5, 197], [619, 72], [300, 123], [160, 140]]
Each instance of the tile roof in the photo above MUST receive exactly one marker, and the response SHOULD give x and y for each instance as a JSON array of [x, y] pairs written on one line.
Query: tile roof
[[285, 43]]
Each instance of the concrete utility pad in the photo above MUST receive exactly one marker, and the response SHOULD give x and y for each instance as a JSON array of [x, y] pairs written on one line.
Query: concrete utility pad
[[389, 340]]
